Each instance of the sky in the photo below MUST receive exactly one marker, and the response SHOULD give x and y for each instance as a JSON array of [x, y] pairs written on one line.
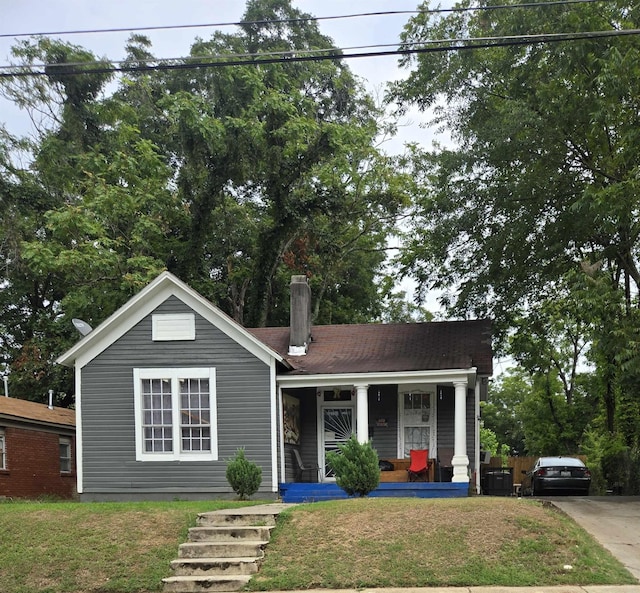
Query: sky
[[47, 16]]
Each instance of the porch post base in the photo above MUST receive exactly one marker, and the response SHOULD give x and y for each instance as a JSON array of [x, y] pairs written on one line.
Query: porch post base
[[460, 468]]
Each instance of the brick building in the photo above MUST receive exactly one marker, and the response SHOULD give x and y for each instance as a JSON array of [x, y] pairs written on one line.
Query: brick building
[[37, 450]]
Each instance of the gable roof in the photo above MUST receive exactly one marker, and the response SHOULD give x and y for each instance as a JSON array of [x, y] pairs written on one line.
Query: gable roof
[[20, 409], [143, 304], [395, 347]]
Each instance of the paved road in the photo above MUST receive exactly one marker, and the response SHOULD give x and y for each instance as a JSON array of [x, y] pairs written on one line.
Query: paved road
[[614, 521]]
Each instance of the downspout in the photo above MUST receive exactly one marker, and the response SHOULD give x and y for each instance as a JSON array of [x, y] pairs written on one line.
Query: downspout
[[283, 469], [274, 427], [476, 462], [79, 467]]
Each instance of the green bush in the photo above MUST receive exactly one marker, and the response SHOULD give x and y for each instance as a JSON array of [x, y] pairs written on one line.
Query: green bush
[[356, 467], [244, 476]]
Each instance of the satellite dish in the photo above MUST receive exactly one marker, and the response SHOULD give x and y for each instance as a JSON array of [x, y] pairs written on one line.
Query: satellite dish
[[82, 326]]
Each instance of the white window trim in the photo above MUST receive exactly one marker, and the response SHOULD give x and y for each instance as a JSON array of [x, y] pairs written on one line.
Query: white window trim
[[66, 441], [422, 389], [174, 374]]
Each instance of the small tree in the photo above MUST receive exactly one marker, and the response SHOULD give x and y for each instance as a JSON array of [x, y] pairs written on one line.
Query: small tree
[[356, 467], [243, 475]]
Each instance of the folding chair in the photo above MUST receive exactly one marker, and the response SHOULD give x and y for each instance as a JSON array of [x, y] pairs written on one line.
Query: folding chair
[[300, 468], [419, 466]]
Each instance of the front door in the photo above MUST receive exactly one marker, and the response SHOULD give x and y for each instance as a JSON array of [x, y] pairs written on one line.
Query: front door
[[337, 425]]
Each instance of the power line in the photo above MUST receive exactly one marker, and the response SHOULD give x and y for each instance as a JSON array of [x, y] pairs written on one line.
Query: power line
[[223, 61], [299, 20]]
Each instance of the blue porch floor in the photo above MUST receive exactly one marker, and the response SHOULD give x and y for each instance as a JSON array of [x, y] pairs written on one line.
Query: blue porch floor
[[308, 492]]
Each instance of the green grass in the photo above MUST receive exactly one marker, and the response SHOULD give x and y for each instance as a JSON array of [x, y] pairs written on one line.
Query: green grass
[[127, 547], [92, 547]]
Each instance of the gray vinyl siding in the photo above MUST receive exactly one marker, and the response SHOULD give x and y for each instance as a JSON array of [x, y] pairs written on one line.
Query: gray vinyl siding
[[108, 431], [384, 408], [471, 429], [445, 402], [445, 399]]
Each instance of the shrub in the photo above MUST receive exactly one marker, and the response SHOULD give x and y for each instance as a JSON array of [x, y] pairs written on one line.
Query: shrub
[[244, 476], [356, 467]]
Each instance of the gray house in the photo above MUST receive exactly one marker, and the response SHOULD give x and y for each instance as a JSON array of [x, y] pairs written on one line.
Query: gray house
[[169, 387]]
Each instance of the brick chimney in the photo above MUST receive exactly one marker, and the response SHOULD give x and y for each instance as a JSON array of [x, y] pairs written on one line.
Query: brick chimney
[[300, 312]]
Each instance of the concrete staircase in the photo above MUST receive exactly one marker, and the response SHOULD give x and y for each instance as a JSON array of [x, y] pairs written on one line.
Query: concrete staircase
[[223, 550]]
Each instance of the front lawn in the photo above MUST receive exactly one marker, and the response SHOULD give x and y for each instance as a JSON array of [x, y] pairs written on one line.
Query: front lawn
[[372, 542]]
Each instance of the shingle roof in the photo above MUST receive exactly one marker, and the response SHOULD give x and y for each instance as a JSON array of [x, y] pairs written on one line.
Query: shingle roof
[[23, 409], [388, 347]]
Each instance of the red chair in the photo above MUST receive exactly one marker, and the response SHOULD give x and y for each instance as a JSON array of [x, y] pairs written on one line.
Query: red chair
[[419, 466]]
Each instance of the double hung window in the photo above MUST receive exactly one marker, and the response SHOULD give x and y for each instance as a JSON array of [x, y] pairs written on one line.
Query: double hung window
[[175, 413], [65, 455]]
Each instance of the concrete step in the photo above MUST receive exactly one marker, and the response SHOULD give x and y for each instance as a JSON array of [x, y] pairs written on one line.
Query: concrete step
[[229, 533], [214, 566], [242, 549], [216, 518], [198, 584]]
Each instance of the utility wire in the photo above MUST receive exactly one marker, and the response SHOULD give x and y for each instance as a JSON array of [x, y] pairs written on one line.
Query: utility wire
[[223, 61], [300, 20]]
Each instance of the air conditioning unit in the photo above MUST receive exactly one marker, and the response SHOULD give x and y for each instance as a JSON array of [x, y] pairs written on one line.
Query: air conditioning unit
[[485, 457]]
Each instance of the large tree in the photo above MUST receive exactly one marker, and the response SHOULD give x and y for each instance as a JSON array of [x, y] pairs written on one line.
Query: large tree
[[37, 176], [234, 177], [542, 181], [543, 175]]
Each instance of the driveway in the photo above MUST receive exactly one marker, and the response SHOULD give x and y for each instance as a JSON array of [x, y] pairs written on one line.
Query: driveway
[[614, 521]]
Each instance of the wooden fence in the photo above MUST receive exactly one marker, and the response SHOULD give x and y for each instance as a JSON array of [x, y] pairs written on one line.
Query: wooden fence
[[519, 464]]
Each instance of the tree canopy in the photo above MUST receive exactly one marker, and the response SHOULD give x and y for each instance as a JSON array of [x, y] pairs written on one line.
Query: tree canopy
[[533, 215], [233, 178]]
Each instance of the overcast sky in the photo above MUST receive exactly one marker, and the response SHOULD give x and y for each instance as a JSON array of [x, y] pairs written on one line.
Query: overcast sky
[[45, 16]]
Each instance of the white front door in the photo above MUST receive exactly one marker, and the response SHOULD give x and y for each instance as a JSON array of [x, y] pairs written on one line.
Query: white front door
[[417, 421]]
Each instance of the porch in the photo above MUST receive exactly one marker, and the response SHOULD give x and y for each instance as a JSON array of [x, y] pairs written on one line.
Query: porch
[[396, 418], [393, 483], [315, 492]]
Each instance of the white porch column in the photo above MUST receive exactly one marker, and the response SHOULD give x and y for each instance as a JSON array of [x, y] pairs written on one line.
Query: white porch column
[[460, 460], [362, 413]]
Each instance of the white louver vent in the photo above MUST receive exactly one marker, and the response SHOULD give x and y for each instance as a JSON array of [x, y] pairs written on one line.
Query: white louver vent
[[173, 327]]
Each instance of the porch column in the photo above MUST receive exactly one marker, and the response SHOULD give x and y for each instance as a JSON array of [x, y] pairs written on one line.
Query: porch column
[[460, 459], [362, 413]]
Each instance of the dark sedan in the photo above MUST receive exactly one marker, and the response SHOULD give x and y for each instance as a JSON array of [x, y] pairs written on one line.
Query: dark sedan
[[557, 475]]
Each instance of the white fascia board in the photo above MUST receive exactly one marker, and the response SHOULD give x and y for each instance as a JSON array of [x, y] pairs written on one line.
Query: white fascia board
[[143, 304], [273, 399], [383, 378], [79, 467]]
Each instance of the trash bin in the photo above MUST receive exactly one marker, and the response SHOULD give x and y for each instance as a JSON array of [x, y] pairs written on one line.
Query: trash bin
[[498, 481]]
